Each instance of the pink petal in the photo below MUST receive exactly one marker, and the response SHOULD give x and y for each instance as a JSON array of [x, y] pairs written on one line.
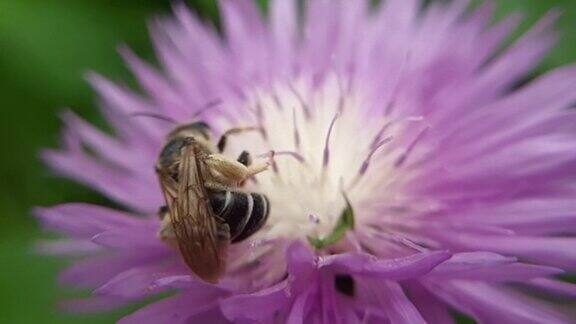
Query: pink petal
[[542, 215], [283, 17], [395, 303], [554, 251], [126, 102], [490, 267], [137, 282], [555, 287], [67, 247], [257, 306], [177, 309], [492, 304], [115, 183], [408, 267], [85, 220], [297, 313], [156, 86], [122, 239], [431, 309], [96, 271]]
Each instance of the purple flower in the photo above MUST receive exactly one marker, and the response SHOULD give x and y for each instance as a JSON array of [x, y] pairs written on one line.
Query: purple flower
[[461, 179]]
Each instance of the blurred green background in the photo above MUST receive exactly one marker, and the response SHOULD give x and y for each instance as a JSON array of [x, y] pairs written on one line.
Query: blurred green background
[[46, 46]]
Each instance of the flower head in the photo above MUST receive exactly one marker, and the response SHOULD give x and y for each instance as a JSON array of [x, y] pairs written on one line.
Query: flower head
[[412, 174]]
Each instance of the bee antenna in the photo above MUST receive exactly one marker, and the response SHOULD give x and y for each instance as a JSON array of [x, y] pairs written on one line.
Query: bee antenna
[[326, 157], [209, 105], [153, 115], [402, 158]]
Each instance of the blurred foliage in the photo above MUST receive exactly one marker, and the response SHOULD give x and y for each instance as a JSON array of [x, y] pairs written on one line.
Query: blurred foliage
[[46, 46]]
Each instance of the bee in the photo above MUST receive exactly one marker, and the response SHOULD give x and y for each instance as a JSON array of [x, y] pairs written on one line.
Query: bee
[[206, 209]]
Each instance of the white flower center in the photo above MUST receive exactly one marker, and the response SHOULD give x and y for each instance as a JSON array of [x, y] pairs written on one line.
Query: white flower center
[[325, 143]]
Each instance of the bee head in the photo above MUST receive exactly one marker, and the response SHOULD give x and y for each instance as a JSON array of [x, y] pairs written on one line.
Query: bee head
[[199, 130]]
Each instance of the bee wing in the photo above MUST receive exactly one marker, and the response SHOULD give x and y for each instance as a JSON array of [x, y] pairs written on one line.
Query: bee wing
[[202, 239]]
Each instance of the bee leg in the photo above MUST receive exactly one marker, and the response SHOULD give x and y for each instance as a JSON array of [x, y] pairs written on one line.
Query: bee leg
[[257, 168], [237, 130], [230, 171]]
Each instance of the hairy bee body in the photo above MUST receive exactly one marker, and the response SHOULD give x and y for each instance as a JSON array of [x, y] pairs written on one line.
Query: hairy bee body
[[207, 210]]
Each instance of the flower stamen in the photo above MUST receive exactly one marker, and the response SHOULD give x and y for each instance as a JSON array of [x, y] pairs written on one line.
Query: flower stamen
[[326, 154], [303, 103], [389, 124], [366, 163], [296, 131], [404, 156]]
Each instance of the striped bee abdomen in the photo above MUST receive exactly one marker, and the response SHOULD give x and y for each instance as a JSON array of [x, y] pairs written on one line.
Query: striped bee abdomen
[[244, 212], [259, 215]]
